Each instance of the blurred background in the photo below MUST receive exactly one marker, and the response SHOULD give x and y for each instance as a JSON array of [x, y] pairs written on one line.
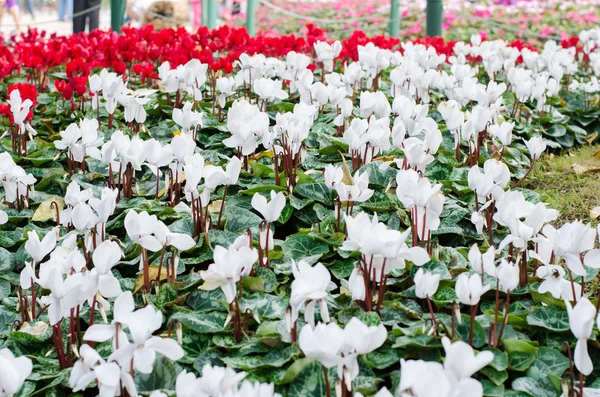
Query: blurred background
[[528, 20]]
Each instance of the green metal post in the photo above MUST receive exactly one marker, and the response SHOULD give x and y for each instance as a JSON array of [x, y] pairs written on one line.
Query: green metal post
[[434, 18], [117, 10], [395, 18], [250, 13], [211, 18], [204, 12]]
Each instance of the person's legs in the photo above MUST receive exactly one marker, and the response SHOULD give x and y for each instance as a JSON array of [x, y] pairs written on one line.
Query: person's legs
[[30, 8], [2, 7], [94, 15], [61, 9], [70, 8], [14, 11], [13, 8], [79, 21]]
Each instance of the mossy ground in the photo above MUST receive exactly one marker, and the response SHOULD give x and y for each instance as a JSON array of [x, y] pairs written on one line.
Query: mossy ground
[[554, 178]]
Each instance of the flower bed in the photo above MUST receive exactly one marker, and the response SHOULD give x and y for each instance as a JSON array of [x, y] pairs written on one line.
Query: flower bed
[[215, 214], [531, 20]]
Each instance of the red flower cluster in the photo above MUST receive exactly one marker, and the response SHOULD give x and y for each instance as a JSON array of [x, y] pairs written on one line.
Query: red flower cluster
[[140, 51], [572, 41]]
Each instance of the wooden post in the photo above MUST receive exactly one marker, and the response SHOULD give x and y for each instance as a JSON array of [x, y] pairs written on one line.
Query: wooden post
[[394, 27], [434, 18], [211, 18], [117, 10], [204, 12], [250, 14]]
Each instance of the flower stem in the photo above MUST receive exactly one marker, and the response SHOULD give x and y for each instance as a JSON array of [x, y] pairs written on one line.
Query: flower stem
[[472, 323], [453, 325], [431, 312], [496, 313], [222, 207], [571, 370], [21, 304], [238, 322], [146, 272], [382, 281], [32, 299], [526, 174], [160, 264], [326, 376], [505, 319], [572, 285]]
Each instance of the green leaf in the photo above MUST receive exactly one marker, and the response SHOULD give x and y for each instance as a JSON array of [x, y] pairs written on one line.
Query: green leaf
[[206, 301], [294, 370], [23, 343], [566, 140], [275, 358], [500, 361], [438, 172], [316, 191], [444, 296], [26, 390], [379, 176], [268, 307], [492, 390], [184, 226], [166, 294], [368, 385], [59, 378], [549, 361], [463, 329], [253, 284], [304, 246], [7, 317], [533, 387], [7, 260], [382, 358], [520, 361], [370, 319], [434, 267], [286, 214], [201, 322], [239, 219], [549, 317], [299, 203], [10, 276], [421, 340], [556, 130], [577, 130], [262, 188], [519, 345], [194, 344], [513, 393], [380, 202], [209, 356], [223, 238], [8, 239], [310, 382], [497, 377], [341, 268], [268, 276], [4, 289], [452, 258], [163, 376]]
